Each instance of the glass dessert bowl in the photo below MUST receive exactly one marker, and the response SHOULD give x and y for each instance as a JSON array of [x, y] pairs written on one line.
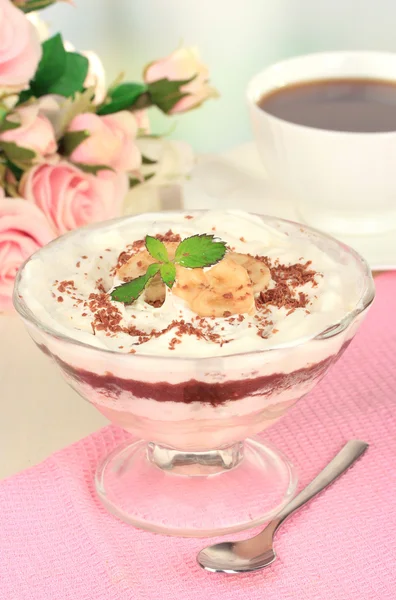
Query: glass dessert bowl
[[194, 390]]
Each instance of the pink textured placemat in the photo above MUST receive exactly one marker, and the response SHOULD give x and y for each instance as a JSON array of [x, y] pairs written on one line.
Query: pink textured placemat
[[58, 543]]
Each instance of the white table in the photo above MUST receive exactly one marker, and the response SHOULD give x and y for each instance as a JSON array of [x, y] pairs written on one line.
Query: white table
[[40, 413]]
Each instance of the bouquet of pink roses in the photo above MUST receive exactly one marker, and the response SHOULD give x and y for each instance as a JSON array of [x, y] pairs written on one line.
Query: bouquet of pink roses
[[69, 147]]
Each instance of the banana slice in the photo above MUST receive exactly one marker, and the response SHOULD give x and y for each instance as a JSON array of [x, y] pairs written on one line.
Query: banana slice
[[137, 265], [225, 288], [258, 272], [189, 283]]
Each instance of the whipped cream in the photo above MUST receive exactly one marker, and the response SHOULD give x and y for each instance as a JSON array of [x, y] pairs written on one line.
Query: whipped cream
[[88, 256]]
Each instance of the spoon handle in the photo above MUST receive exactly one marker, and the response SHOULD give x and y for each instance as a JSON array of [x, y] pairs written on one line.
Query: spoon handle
[[336, 467]]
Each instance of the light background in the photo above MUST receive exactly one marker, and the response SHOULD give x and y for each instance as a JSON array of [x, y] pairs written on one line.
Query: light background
[[236, 39]]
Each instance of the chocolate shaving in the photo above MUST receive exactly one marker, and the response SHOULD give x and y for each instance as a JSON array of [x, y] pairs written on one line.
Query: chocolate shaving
[[169, 236], [66, 286], [99, 285], [107, 317], [286, 278]]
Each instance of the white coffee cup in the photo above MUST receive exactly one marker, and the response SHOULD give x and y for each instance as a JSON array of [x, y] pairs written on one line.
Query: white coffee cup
[[342, 182]]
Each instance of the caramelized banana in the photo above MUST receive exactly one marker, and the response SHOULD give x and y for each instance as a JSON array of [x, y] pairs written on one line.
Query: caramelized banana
[[258, 272], [225, 288], [189, 283]]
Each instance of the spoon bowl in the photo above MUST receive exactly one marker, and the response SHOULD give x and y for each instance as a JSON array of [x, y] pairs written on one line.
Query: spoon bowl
[[258, 552], [227, 557]]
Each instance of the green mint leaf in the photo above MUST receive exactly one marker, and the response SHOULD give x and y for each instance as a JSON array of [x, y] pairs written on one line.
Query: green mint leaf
[[122, 97], [168, 274], [153, 270], [199, 251], [51, 67], [73, 77], [71, 140], [157, 249], [129, 292]]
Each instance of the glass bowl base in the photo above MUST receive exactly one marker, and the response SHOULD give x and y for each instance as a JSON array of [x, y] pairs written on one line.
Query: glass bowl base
[[195, 494]]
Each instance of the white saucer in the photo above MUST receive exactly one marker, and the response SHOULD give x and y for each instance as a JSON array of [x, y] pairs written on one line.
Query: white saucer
[[237, 180]]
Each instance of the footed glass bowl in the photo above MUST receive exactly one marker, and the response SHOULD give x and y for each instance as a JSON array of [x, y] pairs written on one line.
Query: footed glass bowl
[[193, 467]]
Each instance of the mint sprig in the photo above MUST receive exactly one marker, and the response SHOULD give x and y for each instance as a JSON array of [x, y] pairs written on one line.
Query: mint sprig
[[197, 251], [129, 292], [168, 273], [157, 249]]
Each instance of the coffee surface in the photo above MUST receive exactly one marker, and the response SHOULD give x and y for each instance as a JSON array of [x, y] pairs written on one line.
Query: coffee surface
[[355, 105]]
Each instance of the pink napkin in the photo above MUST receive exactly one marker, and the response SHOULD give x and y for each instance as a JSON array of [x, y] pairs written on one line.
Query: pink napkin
[[58, 543]]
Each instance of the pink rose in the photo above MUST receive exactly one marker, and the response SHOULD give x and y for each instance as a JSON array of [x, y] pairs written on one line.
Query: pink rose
[[23, 230], [35, 131], [20, 49], [70, 198], [111, 141], [183, 64]]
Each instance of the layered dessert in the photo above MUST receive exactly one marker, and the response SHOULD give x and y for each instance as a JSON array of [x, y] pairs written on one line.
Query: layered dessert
[[193, 330]]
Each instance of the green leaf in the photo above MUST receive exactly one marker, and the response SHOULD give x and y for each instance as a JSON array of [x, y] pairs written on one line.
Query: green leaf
[[59, 72], [148, 161], [92, 169], [165, 93], [16, 154], [51, 67], [134, 181], [168, 274], [6, 125], [129, 292], [16, 171], [71, 140], [3, 111], [25, 95], [157, 249], [199, 251], [122, 97], [73, 77], [34, 5], [71, 107]]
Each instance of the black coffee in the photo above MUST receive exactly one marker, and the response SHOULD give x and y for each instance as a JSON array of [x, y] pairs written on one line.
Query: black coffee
[[360, 105]]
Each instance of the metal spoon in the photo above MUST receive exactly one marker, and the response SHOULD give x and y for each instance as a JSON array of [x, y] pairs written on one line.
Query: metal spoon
[[258, 552]]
